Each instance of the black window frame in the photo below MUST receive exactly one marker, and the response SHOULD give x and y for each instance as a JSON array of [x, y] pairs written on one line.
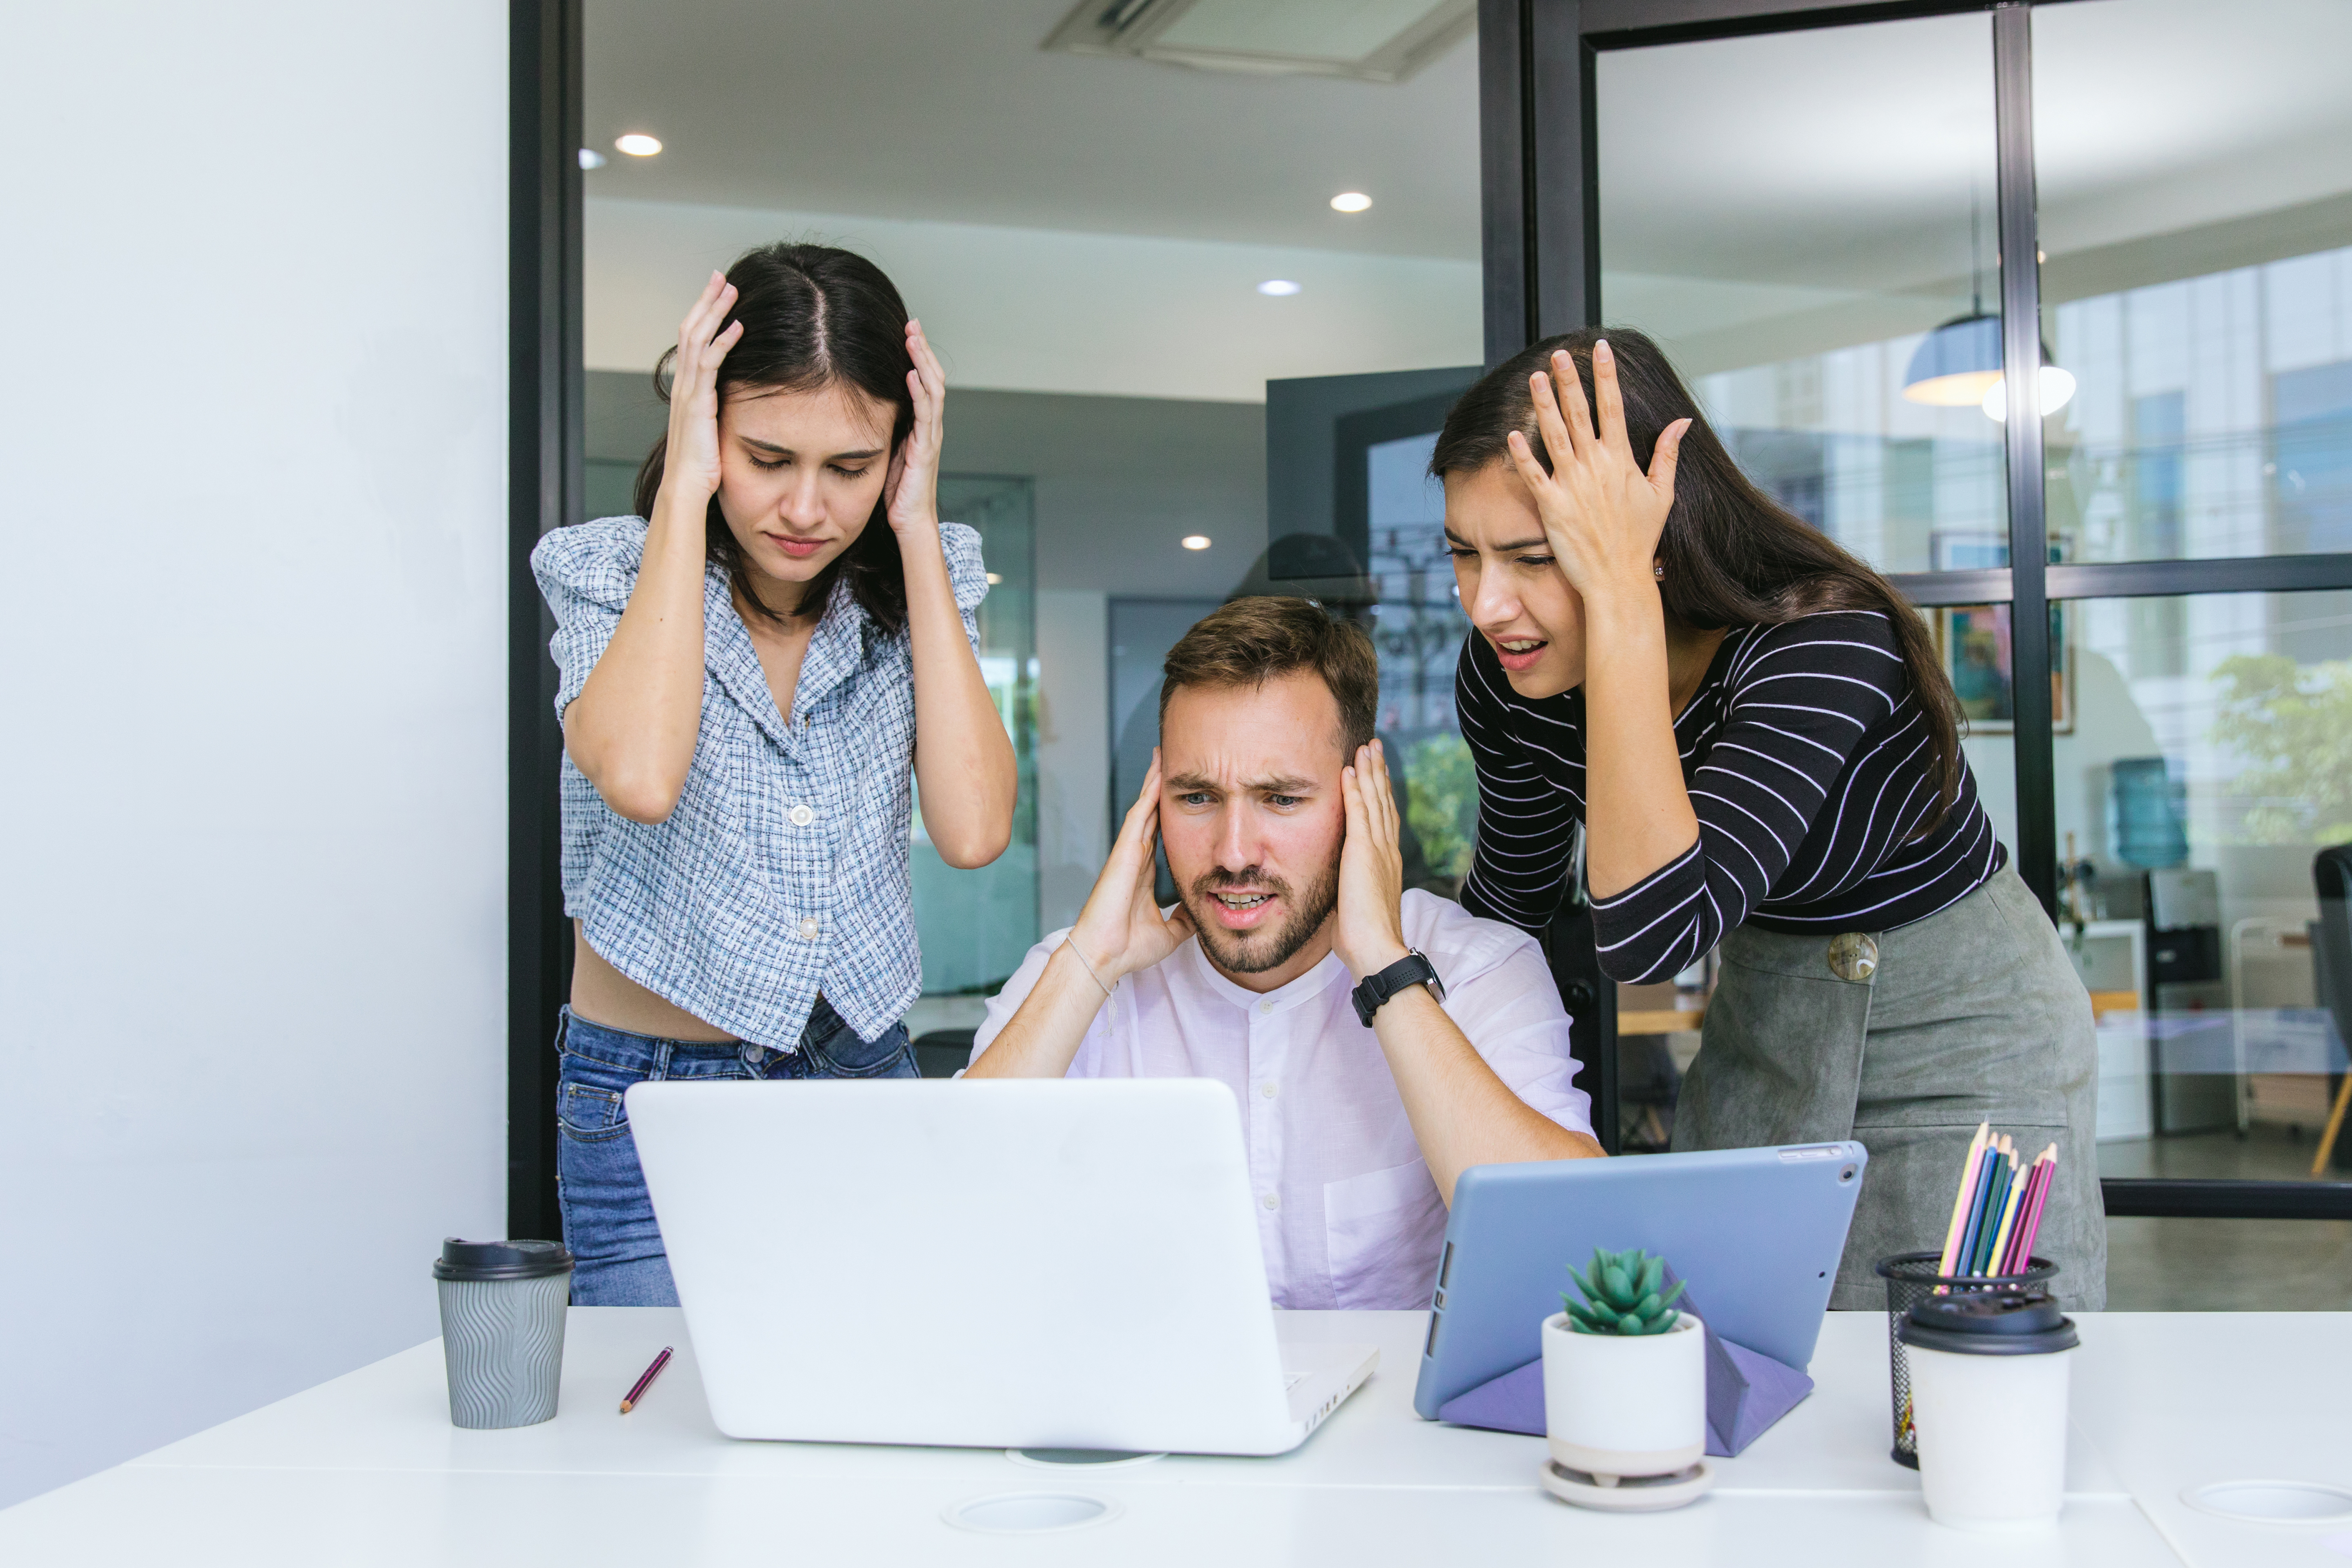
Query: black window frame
[[546, 488], [1540, 205]]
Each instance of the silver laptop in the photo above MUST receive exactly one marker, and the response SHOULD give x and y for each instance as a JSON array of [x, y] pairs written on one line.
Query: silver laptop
[[1060, 1264]]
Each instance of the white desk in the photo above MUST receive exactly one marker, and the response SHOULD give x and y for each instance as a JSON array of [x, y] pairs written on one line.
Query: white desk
[[366, 1470]]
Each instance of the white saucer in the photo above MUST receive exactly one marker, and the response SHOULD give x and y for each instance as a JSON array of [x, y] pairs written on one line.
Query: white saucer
[[1633, 1494]]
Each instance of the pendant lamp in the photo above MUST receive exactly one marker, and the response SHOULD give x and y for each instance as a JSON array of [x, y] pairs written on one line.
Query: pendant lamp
[[1959, 363]]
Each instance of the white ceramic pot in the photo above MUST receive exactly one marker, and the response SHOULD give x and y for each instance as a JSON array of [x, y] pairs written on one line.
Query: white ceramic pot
[[1616, 1406]]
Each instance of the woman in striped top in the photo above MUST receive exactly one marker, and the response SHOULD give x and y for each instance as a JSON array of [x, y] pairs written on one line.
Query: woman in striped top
[[1758, 737]]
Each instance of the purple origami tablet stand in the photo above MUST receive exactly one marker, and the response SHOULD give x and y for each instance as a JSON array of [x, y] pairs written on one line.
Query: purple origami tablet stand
[[1745, 1393]]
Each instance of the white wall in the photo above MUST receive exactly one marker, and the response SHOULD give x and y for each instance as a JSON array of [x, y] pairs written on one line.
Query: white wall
[[252, 618], [1039, 310]]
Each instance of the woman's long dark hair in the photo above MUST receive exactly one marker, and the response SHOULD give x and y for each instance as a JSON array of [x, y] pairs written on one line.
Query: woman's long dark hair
[[1733, 555], [812, 316]]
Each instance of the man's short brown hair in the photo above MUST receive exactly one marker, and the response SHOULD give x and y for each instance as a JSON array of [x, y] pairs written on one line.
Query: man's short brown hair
[[1249, 642]]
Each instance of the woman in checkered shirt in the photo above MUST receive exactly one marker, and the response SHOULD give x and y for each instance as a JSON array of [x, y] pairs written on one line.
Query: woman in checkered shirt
[[754, 669]]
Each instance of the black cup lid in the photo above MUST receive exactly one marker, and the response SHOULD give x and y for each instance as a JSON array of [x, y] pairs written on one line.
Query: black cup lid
[[501, 1260], [1990, 1323]]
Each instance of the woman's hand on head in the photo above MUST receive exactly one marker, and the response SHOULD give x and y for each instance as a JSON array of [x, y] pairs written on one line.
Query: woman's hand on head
[[913, 490], [1600, 512], [690, 459]]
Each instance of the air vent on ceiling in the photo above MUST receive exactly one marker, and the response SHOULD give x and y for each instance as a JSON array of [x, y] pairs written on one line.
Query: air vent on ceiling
[[1371, 40]]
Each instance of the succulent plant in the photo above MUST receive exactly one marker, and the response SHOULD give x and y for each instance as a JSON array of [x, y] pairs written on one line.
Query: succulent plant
[[1622, 1291]]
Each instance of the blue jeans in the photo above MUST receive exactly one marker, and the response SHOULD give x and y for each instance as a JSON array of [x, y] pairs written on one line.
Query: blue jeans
[[608, 1218]]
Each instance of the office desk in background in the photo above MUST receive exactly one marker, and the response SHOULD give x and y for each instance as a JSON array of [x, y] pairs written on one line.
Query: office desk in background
[[366, 1470]]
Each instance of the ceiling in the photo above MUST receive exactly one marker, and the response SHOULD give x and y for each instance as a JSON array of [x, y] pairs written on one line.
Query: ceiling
[[953, 113], [1815, 186]]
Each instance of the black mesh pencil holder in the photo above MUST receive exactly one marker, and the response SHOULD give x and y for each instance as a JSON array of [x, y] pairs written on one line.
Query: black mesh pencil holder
[[1910, 1277]]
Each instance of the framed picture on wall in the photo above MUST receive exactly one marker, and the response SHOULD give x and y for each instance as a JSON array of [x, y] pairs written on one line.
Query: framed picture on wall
[[1974, 641]]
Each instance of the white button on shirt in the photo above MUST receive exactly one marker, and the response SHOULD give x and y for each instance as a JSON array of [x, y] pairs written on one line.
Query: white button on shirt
[[1348, 1217]]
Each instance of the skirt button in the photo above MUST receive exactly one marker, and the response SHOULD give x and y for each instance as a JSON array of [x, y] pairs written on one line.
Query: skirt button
[[1852, 956]]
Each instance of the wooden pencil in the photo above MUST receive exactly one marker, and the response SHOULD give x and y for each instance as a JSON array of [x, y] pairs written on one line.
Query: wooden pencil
[[1973, 1232], [1952, 1255], [2013, 1256], [2004, 1181], [2009, 1213], [2041, 1201]]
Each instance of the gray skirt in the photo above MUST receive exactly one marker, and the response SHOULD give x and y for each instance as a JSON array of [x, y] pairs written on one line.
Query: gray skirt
[[1973, 1014]]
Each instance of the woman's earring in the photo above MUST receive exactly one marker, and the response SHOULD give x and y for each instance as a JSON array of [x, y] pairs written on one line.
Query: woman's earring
[[1657, 569]]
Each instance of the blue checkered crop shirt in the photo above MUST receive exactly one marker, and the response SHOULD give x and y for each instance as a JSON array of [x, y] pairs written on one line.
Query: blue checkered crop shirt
[[782, 871]]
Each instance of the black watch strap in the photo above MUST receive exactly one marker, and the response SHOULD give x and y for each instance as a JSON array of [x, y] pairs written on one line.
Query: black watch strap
[[1412, 969]]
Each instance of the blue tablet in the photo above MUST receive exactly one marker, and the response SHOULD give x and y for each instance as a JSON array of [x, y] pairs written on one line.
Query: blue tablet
[[1756, 1233]]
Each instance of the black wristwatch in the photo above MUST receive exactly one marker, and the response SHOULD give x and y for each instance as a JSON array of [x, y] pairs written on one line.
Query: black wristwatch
[[1412, 969]]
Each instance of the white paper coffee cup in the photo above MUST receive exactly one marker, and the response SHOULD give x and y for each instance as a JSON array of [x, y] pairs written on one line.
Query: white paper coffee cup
[[1989, 1380]]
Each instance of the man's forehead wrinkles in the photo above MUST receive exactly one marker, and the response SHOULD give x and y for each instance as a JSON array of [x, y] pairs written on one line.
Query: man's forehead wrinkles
[[1273, 778]]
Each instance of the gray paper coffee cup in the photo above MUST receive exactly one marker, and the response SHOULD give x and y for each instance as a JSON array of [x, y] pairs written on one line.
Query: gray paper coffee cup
[[502, 1309]]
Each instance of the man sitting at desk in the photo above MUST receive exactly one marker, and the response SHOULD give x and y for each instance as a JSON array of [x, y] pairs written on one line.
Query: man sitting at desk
[[1273, 800]]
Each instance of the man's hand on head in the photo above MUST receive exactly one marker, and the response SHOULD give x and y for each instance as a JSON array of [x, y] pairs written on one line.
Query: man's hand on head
[[1121, 929], [1369, 931]]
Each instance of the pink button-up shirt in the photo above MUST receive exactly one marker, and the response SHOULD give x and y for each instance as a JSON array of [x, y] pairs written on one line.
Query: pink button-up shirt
[[1347, 1213]]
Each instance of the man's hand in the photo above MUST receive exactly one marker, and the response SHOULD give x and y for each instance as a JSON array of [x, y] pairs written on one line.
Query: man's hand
[[1462, 1114], [1368, 935], [1120, 929]]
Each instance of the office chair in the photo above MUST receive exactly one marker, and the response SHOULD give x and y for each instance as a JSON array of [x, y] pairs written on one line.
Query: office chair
[[942, 1053]]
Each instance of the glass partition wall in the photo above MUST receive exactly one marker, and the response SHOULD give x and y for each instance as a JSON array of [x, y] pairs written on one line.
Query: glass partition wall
[[2195, 214], [1828, 228]]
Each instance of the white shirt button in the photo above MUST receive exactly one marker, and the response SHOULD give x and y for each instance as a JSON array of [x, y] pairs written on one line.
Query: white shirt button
[[809, 928], [1266, 1090], [802, 815], [1271, 1200], [1265, 1006]]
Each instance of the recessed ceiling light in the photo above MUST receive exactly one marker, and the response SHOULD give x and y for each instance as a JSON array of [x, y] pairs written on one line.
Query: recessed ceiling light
[[637, 145], [591, 159], [1277, 287], [1351, 202], [1196, 542]]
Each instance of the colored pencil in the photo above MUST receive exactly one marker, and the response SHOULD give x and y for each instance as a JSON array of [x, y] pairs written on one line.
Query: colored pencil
[[2022, 1248], [2009, 1213], [1977, 1207], [2004, 1183], [1976, 1214], [1951, 1254], [645, 1381], [2001, 1197], [2004, 1177], [2041, 1201], [2012, 1257]]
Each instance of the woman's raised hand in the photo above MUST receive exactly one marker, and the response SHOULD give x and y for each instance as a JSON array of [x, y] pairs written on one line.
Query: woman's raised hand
[[1120, 929], [691, 460], [1600, 512], [914, 484]]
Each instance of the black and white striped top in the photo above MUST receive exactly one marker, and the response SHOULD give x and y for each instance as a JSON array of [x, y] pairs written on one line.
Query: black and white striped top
[[1809, 766]]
